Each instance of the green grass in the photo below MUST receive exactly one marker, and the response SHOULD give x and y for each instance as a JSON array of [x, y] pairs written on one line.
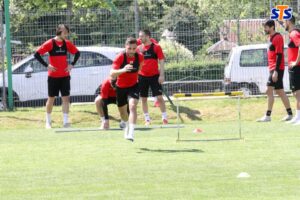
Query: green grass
[[41, 164]]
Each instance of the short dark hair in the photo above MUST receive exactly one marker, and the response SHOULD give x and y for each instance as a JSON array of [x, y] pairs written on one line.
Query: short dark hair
[[147, 32], [60, 28], [130, 40], [293, 19], [269, 23]]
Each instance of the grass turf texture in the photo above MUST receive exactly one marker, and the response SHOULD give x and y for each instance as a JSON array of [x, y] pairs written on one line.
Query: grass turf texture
[[40, 164]]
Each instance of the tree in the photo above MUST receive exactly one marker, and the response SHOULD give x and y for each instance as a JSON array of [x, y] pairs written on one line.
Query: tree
[[186, 25]]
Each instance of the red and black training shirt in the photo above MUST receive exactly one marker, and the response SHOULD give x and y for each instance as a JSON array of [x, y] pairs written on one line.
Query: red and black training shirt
[[58, 55], [276, 47]]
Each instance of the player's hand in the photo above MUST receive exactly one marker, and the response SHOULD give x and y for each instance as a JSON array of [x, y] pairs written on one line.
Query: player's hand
[[141, 49], [128, 68], [161, 79], [51, 68], [275, 76], [69, 68], [293, 64]]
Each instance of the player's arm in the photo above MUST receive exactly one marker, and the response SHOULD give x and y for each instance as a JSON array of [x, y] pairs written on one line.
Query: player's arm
[[76, 57], [39, 58], [116, 71], [161, 64], [296, 40], [141, 61], [44, 48], [73, 50], [298, 58]]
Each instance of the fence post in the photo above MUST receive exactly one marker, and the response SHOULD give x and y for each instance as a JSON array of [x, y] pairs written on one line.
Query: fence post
[[3, 62], [8, 55], [136, 18]]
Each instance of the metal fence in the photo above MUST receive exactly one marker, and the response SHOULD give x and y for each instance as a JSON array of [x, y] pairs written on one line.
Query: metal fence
[[196, 37]]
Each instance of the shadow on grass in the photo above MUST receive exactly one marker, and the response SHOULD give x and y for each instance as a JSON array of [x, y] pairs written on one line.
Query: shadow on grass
[[211, 140], [21, 119], [191, 114], [170, 150]]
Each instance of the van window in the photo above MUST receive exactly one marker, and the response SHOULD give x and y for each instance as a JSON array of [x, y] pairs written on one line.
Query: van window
[[254, 58]]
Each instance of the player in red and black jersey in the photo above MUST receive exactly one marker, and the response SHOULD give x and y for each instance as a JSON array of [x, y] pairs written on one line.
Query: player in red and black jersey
[[276, 69], [294, 63], [107, 96], [152, 74], [125, 68], [58, 70]]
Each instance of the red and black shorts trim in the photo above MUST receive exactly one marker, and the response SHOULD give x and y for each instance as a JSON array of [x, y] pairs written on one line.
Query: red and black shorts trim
[[59, 85], [123, 94], [278, 85]]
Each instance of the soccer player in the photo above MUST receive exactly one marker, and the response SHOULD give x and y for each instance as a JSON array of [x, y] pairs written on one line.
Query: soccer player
[[139, 42], [276, 68], [294, 64], [151, 74], [125, 68], [107, 96], [58, 70]]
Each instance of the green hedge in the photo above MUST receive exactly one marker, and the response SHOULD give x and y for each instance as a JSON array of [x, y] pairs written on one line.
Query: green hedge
[[194, 70]]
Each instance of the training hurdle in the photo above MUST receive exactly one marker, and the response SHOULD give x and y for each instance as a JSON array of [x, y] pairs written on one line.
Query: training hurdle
[[140, 128], [237, 94]]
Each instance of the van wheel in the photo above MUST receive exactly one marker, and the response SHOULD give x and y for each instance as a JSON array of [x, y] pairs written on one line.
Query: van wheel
[[1, 106], [246, 91], [249, 89]]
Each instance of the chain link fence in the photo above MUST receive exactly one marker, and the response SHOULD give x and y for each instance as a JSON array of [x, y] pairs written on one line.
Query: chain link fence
[[196, 36]]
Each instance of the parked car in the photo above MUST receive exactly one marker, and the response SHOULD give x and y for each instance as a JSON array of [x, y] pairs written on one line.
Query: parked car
[[30, 77], [247, 69]]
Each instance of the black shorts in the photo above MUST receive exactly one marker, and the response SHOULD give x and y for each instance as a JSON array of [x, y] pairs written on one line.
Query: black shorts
[[56, 85], [295, 78], [123, 94], [110, 100], [278, 85], [152, 82]]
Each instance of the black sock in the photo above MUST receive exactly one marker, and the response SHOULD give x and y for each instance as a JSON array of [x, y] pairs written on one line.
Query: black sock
[[269, 113], [289, 111]]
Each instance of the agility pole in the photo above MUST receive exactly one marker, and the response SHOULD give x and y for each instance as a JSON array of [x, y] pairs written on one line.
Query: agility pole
[[237, 94]]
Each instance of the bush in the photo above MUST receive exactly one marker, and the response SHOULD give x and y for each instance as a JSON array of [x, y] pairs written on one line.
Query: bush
[[194, 70], [174, 51]]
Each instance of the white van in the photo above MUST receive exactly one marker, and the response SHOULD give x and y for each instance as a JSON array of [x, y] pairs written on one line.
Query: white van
[[29, 77], [247, 69]]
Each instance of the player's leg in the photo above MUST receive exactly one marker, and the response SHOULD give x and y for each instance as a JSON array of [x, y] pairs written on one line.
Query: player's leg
[[133, 96], [65, 96], [285, 100], [102, 110], [157, 92], [144, 91], [53, 91], [297, 95], [295, 87], [270, 97], [122, 104]]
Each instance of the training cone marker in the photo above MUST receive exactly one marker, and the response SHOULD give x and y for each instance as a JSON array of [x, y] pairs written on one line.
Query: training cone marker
[[243, 175], [198, 130]]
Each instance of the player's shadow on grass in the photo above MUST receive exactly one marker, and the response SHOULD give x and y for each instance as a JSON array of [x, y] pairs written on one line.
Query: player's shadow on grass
[[170, 150], [22, 119], [191, 114], [96, 114]]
